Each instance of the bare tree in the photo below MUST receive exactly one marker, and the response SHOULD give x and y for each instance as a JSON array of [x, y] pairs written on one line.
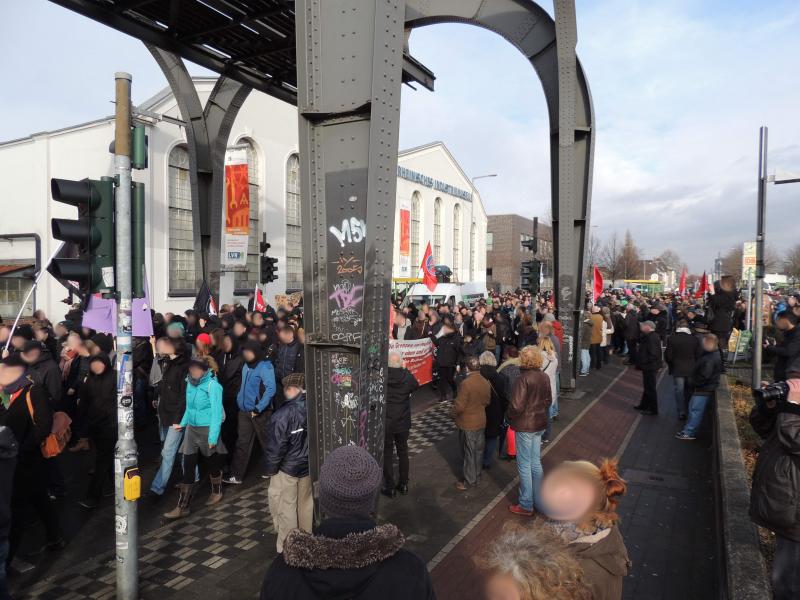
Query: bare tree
[[610, 257], [791, 265], [670, 260], [732, 261], [629, 264], [592, 255]]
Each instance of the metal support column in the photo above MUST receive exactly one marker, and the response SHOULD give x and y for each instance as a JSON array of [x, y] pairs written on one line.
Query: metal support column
[[125, 453], [349, 57], [758, 312], [207, 132]]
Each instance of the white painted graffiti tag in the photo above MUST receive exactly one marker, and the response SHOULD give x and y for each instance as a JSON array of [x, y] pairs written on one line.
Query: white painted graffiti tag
[[353, 230]]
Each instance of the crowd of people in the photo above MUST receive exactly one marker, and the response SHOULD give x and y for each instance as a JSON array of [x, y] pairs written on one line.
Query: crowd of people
[[217, 384]]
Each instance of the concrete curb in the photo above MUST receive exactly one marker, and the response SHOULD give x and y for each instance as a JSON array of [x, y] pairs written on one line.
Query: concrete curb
[[743, 571]]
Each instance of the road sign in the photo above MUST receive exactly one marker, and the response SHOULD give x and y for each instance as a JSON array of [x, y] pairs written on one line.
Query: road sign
[[748, 261]]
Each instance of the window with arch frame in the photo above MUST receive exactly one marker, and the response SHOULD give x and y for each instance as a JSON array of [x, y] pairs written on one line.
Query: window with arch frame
[[294, 238], [456, 240], [182, 276], [415, 227], [245, 281], [437, 231]]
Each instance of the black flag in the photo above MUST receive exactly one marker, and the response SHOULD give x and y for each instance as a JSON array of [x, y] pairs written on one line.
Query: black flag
[[204, 301]]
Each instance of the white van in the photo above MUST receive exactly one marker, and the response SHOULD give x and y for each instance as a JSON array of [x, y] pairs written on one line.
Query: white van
[[449, 293]]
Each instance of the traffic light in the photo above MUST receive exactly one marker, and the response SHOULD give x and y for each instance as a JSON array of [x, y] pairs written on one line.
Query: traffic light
[[137, 239], [92, 234], [530, 244], [138, 147], [269, 265], [530, 271]]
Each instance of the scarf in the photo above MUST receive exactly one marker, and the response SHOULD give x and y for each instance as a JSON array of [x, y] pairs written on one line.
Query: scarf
[[11, 388], [683, 330]]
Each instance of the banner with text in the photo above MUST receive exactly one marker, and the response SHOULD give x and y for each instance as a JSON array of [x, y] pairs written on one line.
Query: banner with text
[[237, 210], [418, 355], [405, 239]]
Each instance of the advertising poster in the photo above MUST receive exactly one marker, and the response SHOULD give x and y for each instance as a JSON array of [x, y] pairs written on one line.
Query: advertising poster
[[237, 210], [405, 239], [418, 355], [748, 261]]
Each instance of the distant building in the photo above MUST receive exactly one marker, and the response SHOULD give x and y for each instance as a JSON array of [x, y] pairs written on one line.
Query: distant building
[[505, 253], [436, 203]]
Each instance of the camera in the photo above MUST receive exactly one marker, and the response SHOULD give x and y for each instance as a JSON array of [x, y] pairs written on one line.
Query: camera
[[774, 392]]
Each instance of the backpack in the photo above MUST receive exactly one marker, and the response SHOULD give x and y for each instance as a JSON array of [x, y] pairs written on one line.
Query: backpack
[[53, 444]]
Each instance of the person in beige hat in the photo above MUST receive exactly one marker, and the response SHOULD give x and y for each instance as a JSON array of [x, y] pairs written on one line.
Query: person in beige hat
[[289, 496]]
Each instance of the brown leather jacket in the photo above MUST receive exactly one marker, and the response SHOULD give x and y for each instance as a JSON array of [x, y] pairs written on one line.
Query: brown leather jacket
[[530, 400], [469, 408]]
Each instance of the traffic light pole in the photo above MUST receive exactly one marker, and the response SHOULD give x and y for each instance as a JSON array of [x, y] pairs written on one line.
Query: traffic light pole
[[758, 309], [126, 518]]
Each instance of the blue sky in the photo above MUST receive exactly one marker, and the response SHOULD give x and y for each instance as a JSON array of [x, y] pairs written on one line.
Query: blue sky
[[680, 89]]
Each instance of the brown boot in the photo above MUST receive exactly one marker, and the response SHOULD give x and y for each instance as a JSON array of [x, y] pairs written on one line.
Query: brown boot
[[216, 490], [182, 510]]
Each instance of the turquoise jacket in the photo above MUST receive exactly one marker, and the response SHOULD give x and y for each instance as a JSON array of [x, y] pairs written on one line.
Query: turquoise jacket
[[204, 405]]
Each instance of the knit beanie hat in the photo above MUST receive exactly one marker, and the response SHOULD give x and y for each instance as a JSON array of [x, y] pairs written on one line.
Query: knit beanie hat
[[348, 482]]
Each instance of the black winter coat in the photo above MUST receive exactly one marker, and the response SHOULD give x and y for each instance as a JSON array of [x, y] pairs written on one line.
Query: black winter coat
[[45, 372], [498, 404], [142, 357], [172, 390], [328, 563], [632, 325], [648, 354], [681, 353], [785, 352], [98, 401], [29, 433], [722, 306], [8, 462], [448, 349], [230, 376], [290, 359], [775, 496], [399, 385], [707, 370], [287, 440]]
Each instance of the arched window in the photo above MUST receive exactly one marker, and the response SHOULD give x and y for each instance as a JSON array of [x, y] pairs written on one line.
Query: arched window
[[437, 231], [182, 278], [472, 252], [415, 224], [245, 281], [294, 241], [456, 240]]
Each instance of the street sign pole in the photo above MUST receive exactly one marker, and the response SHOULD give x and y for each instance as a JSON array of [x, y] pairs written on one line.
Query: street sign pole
[[758, 309], [125, 459]]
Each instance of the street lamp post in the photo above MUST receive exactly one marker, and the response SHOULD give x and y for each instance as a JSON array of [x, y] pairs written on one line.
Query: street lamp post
[[482, 177]]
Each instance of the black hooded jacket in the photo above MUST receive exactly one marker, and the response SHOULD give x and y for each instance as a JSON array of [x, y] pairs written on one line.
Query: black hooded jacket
[[347, 559], [721, 305], [399, 385], [230, 371], [172, 389], [98, 401], [496, 409], [46, 373]]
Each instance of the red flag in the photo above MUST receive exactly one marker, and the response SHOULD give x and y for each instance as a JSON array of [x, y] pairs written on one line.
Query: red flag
[[598, 284], [703, 287], [258, 302], [428, 274], [682, 286]]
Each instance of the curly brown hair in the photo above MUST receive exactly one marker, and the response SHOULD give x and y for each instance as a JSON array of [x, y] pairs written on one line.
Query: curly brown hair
[[541, 564], [530, 357]]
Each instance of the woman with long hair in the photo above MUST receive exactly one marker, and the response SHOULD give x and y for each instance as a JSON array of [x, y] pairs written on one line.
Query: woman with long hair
[[608, 332], [550, 368]]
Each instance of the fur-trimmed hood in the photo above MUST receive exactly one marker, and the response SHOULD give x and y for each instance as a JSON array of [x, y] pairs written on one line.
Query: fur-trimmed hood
[[355, 550]]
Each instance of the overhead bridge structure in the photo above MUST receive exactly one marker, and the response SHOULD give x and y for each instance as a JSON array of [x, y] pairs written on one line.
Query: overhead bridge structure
[[342, 62]]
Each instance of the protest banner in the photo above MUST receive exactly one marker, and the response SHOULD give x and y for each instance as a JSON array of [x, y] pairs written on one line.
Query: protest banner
[[418, 355]]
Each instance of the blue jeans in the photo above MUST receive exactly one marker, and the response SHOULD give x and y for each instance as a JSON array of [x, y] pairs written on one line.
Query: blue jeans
[[785, 572], [529, 465], [4, 595], [697, 408], [172, 441], [679, 384], [489, 451], [586, 361]]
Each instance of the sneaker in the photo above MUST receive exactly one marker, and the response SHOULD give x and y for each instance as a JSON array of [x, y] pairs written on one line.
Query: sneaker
[[232, 480], [518, 510], [402, 488], [684, 436], [462, 486], [583, 374]]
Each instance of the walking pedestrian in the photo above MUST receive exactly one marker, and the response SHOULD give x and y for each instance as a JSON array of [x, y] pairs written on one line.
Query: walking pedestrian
[[704, 383], [448, 354], [469, 410], [400, 384], [530, 401], [289, 495], [683, 348], [649, 362]]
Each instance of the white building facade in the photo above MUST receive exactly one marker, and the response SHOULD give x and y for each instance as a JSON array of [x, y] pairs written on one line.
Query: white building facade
[[443, 206]]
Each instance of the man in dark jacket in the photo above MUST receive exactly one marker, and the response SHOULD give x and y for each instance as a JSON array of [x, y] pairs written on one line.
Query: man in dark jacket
[[632, 332], [290, 359], [776, 485], [704, 382], [289, 496], [789, 347], [171, 406], [399, 386], [720, 309], [348, 555], [230, 377], [8, 462], [25, 410], [680, 355], [448, 353], [43, 370], [649, 361]]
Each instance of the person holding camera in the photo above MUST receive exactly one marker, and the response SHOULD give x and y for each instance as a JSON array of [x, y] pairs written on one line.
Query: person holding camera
[[788, 349], [776, 479]]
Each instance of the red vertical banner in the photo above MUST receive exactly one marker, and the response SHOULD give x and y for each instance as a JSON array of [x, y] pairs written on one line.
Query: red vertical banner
[[237, 200], [405, 242]]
